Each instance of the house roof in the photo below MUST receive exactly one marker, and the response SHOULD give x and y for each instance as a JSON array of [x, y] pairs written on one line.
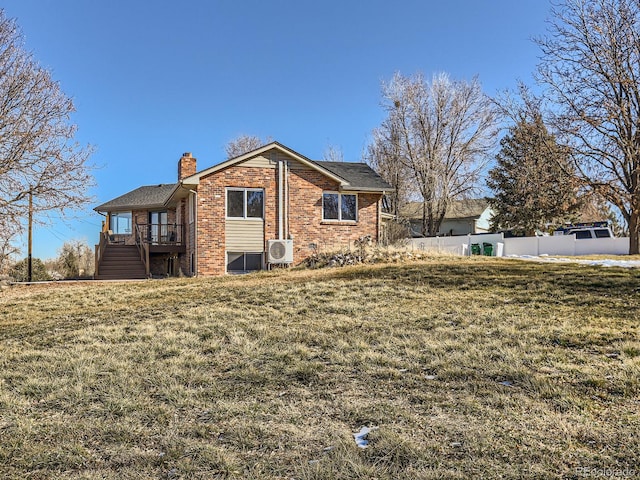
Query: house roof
[[359, 176], [143, 197], [350, 176], [467, 208]]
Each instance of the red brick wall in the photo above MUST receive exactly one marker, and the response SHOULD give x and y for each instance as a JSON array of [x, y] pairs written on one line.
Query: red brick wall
[[305, 213], [186, 166], [305, 216], [211, 212]]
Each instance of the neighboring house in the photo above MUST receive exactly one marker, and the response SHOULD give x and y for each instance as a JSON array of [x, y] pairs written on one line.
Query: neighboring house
[[461, 218], [269, 206]]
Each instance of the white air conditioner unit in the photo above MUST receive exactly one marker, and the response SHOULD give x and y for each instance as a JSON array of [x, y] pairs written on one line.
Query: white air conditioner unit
[[279, 251]]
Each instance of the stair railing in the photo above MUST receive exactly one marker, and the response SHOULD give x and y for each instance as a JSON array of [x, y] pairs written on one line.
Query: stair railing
[[99, 252], [143, 248]]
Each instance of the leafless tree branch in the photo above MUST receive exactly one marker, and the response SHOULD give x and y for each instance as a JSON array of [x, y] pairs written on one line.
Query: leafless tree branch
[[438, 135], [38, 154], [591, 66]]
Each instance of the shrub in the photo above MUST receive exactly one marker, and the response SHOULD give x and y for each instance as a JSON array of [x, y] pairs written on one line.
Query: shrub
[[38, 271]]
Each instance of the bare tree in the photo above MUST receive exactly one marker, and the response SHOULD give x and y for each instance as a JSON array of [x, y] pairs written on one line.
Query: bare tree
[[591, 66], [384, 156], [75, 259], [333, 153], [38, 154], [442, 132], [7, 249], [243, 144]]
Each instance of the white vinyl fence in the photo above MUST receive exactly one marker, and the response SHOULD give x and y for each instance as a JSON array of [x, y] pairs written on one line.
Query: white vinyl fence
[[500, 246]]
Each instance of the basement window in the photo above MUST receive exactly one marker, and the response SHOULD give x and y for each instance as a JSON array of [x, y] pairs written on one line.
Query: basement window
[[339, 206], [243, 262], [245, 203]]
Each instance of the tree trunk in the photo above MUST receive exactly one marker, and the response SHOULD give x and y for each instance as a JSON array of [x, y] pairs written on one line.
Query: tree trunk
[[634, 232], [425, 230], [634, 210]]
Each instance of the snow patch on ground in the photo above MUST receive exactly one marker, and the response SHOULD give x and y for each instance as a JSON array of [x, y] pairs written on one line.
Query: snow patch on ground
[[361, 436], [604, 262]]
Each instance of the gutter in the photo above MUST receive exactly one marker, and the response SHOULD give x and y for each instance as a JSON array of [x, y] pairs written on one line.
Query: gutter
[[346, 188]]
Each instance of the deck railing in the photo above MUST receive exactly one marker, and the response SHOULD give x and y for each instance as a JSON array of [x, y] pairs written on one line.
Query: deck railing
[[143, 248], [161, 233]]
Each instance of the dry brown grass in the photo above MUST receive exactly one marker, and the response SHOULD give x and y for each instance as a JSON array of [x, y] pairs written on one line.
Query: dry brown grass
[[470, 368]]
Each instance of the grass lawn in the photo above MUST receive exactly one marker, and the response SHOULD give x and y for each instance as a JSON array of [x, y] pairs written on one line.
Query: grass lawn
[[469, 368]]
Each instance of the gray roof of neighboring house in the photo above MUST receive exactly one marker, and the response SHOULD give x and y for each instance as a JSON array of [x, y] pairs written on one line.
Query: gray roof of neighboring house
[[359, 175], [468, 208], [142, 197]]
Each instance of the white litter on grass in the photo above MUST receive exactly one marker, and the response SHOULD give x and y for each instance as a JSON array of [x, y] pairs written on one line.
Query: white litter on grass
[[605, 262], [360, 437]]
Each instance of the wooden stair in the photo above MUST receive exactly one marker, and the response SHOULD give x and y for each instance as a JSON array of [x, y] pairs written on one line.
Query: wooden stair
[[121, 262]]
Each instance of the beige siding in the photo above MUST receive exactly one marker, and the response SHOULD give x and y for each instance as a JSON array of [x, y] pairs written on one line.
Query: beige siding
[[259, 162], [295, 165], [270, 160], [244, 235]]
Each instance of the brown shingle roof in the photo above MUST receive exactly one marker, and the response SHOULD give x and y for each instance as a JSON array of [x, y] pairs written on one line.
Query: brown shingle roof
[[149, 196], [360, 176]]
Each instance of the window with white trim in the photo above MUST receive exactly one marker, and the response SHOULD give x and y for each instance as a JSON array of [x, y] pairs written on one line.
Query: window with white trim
[[120, 222], [340, 206], [245, 203]]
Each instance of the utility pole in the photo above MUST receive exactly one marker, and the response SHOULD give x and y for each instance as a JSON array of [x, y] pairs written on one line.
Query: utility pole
[[30, 247]]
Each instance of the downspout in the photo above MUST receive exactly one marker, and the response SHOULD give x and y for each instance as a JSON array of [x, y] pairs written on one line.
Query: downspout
[[280, 199], [195, 231], [286, 200], [379, 219]]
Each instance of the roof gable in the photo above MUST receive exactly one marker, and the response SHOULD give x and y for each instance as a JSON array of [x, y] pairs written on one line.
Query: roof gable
[[195, 179], [348, 175]]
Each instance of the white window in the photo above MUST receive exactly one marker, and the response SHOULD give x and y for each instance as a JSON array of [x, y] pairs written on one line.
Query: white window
[[120, 222], [245, 203], [340, 206]]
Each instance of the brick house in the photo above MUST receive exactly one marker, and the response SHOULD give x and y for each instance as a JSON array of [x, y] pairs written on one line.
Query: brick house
[[269, 206]]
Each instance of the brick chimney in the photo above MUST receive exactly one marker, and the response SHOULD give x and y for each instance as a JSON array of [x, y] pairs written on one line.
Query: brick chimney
[[186, 166]]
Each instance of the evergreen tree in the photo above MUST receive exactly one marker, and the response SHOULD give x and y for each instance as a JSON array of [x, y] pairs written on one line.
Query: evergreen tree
[[533, 182], [19, 272]]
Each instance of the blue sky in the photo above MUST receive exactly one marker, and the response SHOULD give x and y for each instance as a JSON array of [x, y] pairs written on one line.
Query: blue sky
[[154, 79]]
